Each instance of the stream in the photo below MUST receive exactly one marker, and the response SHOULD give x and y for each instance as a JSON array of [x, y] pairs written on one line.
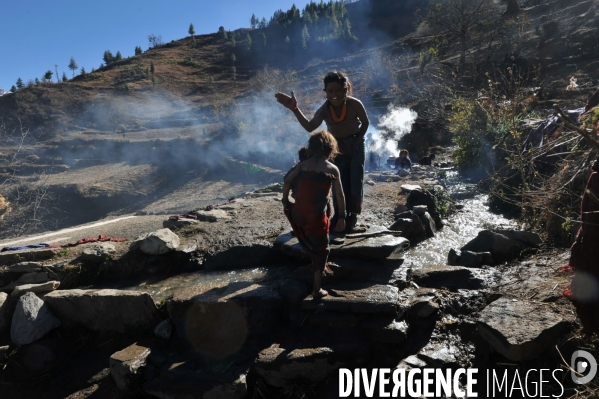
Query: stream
[[460, 227]]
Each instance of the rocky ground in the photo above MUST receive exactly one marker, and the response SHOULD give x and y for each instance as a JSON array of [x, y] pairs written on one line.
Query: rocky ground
[[227, 316]]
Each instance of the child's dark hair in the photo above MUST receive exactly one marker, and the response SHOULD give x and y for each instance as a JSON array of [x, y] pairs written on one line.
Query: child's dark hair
[[302, 153], [338, 77], [322, 143], [404, 152]]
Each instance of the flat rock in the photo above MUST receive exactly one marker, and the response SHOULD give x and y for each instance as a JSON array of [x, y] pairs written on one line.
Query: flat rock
[[527, 238], [385, 330], [12, 257], [443, 276], [357, 298], [242, 256], [179, 223], [381, 271], [32, 278], [32, 320], [280, 367], [126, 365], [107, 310], [35, 288], [417, 303], [99, 252], [216, 321], [420, 209], [216, 215], [25, 267], [521, 330], [411, 362], [156, 243], [378, 247]]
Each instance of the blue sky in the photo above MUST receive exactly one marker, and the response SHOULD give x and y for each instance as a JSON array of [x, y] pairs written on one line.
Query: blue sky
[[37, 34]]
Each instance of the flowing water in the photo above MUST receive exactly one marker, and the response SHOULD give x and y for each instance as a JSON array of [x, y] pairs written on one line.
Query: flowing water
[[460, 228]]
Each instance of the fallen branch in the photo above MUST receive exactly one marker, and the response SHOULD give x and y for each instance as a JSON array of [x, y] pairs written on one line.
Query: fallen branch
[[375, 234], [568, 123]]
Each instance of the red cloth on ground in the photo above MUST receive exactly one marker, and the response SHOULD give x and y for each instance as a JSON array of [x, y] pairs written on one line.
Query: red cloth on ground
[[93, 239], [584, 260], [308, 215]]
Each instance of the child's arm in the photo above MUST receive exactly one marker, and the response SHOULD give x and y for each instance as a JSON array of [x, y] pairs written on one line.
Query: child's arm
[[291, 175], [291, 103], [361, 112]]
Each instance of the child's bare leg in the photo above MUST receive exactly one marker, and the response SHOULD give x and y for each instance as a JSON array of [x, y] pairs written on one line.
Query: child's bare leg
[[318, 292]]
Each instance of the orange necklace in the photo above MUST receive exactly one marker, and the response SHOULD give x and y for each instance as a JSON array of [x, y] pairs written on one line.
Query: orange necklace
[[343, 111]]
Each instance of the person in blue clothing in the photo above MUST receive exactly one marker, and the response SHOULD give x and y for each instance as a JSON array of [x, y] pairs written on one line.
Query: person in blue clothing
[[403, 164]]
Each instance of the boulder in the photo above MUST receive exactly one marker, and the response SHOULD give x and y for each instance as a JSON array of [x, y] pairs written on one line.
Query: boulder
[[128, 364], [215, 215], [32, 320], [442, 276], [501, 247], [35, 288], [384, 330], [522, 330], [106, 310], [5, 312], [357, 298], [99, 252], [443, 355], [32, 278], [156, 243], [179, 223], [411, 228], [411, 362], [279, 367], [42, 356], [526, 238], [32, 255], [469, 258]]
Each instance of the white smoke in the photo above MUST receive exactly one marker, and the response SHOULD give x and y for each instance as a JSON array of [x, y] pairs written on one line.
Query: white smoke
[[392, 126]]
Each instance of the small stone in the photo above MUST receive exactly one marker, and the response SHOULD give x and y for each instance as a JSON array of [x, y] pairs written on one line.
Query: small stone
[[164, 329], [127, 364], [384, 330], [35, 288], [407, 188], [370, 182], [32, 320]]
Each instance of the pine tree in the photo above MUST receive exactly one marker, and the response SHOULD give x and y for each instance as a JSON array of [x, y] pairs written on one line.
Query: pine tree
[[37, 81], [191, 30], [233, 41], [250, 43], [254, 21], [263, 39], [138, 50], [152, 69], [118, 56], [83, 71], [234, 73], [48, 75], [64, 77], [153, 80], [305, 37], [222, 33], [20, 84], [13, 89], [233, 58], [73, 65], [107, 57], [263, 23]]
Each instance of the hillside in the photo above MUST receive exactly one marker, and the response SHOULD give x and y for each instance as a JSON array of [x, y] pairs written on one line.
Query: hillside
[[124, 113]]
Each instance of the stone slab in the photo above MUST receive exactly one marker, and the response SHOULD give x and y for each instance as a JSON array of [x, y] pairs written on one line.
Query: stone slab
[[12, 257], [521, 330], [443, 276], [357, 298]]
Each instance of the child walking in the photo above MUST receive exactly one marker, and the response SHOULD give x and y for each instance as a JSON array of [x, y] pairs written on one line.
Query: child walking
[[308, 215], [346, 120]]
